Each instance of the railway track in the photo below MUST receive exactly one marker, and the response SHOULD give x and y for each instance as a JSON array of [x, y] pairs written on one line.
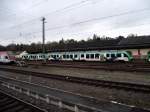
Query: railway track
[[128, 67], [64, 99], [92, 82], [9, 103], [94, 63]]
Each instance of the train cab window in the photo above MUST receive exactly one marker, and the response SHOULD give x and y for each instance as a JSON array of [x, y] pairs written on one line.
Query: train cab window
[[92, 56], [125, 55], [96, 55], [119, 55], [6, 57], [107, 55], [75, 56], [82, 55], [87, 56], [112, 55]]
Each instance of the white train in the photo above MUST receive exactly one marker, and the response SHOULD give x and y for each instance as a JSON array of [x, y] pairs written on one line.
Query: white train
[[6, 58], [82, 56]]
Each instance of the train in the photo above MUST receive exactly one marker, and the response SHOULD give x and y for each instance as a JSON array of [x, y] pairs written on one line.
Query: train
[[6, 58], [95, 55]]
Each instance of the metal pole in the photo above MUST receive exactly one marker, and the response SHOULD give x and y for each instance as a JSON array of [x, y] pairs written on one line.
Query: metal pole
[[43, 34]]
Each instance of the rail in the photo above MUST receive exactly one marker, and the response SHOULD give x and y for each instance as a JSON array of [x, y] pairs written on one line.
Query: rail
[[49, 99], [104, 83], [10, 103], [63, 99], [128, 67]]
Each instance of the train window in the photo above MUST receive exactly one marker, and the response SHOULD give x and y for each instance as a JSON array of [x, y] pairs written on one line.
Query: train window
[[87, 56], [107, 55], [125, 55], [75, 56], [119, 55], [6, 57], [82, 55], [96, 55], [92, 56], [71, 56], [54, 56], [67, 56], [112, 55], [64, 56]]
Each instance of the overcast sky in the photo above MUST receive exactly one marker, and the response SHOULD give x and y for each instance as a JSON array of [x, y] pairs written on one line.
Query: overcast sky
[[20, 20]]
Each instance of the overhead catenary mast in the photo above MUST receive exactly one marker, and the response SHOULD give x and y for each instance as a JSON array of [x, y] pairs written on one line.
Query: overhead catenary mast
[[43, 34]]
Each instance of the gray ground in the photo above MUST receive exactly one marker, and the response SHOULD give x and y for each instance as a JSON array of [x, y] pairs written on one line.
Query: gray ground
[[131, 98], [133, 77]]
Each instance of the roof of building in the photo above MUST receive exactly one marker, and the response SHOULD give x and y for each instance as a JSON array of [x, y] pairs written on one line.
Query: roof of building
[[138, 40], [126, 43]]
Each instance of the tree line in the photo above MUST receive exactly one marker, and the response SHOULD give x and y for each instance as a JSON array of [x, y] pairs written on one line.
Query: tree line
[[95, 41]]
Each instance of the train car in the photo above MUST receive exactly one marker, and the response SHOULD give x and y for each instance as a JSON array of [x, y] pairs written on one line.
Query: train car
[[6, 58], [38, 56], [91, 56], [54, 56], [148, 56], [118, 56], [111, 55]]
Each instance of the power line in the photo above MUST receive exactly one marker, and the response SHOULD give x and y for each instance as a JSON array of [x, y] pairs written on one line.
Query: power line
[[93, 19], [81, 33], [15, 13], [111, 16], [92, 32], [139, 25], [56, 11]]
